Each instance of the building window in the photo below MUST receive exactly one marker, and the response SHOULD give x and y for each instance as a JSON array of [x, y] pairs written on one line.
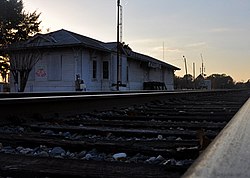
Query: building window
[[94, 69], [105, 70]]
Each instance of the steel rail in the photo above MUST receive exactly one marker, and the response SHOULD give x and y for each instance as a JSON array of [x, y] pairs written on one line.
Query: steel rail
[[107, 138], [47, 104], [229, 154], [28, 105]]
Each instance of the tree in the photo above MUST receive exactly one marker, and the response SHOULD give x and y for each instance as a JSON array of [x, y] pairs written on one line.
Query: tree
[[241, 85], [10, 18], [4, 68], [185, 82], [221, 81], [16, 25], [21, 65], [247, 84]]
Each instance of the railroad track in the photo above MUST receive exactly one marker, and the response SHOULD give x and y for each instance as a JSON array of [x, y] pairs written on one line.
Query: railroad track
[[155, 139]]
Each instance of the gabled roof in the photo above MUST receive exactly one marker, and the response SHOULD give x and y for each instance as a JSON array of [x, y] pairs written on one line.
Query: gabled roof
[[64, 38], [61, 38], [200, 77]]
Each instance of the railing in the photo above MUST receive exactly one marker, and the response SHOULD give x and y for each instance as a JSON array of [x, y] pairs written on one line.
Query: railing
[[229, 154]]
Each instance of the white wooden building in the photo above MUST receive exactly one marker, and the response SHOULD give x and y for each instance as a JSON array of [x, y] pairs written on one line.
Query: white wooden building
[[66, 54]]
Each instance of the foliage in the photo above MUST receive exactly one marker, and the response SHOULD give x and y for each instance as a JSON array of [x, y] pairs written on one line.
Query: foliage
[[218, 81], [185, 82], [243, 85], [16, 25], [10, 17], [221, 81]]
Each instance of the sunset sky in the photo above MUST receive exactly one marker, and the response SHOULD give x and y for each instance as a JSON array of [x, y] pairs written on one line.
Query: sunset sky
[[217, 29]]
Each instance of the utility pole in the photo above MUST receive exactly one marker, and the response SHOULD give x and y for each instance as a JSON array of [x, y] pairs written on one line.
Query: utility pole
[[193, 70], [118, 45], [194, 75], [202, 67], [185, 61]]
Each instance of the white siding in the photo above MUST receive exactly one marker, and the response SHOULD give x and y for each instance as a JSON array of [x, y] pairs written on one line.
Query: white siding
[[155, 74], [136, 75], [169, 79], [85, 75], [113, 69], [55, 67], [68, 68], [124, 65], [57, 70], [54, 72]]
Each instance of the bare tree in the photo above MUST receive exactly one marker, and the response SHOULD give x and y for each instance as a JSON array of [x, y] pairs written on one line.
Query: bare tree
[[22, 62]]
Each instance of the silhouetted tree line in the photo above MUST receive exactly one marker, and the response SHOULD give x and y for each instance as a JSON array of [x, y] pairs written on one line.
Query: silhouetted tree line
[[218, 81]]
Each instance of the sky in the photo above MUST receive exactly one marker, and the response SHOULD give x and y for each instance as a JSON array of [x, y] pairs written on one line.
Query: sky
[[215, 31]]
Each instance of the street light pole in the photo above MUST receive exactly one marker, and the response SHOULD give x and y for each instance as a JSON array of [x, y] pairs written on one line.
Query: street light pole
[[185, 61]]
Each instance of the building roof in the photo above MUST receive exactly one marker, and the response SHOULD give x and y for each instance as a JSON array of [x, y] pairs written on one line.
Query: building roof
[[138, 56], [65, 38], [60, 38]]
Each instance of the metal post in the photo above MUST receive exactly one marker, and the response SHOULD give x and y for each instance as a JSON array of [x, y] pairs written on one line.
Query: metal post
[[185, 60], [193, 71], [194, 75], [118, 45]]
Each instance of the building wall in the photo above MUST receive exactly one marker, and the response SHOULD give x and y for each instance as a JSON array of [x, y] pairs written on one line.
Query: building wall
[[99, 83], [122, 74], [54, 72], [169, 79], [57, 71], [137, 74], [156, 74]]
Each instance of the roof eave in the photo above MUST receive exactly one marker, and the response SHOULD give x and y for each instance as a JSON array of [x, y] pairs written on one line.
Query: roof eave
[[55, 46]]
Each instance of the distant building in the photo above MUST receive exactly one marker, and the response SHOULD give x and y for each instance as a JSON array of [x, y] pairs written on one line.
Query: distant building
[[202, 83], [73, 62]]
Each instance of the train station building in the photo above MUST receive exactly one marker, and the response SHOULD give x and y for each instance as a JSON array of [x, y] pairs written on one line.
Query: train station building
[[72, 62]]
